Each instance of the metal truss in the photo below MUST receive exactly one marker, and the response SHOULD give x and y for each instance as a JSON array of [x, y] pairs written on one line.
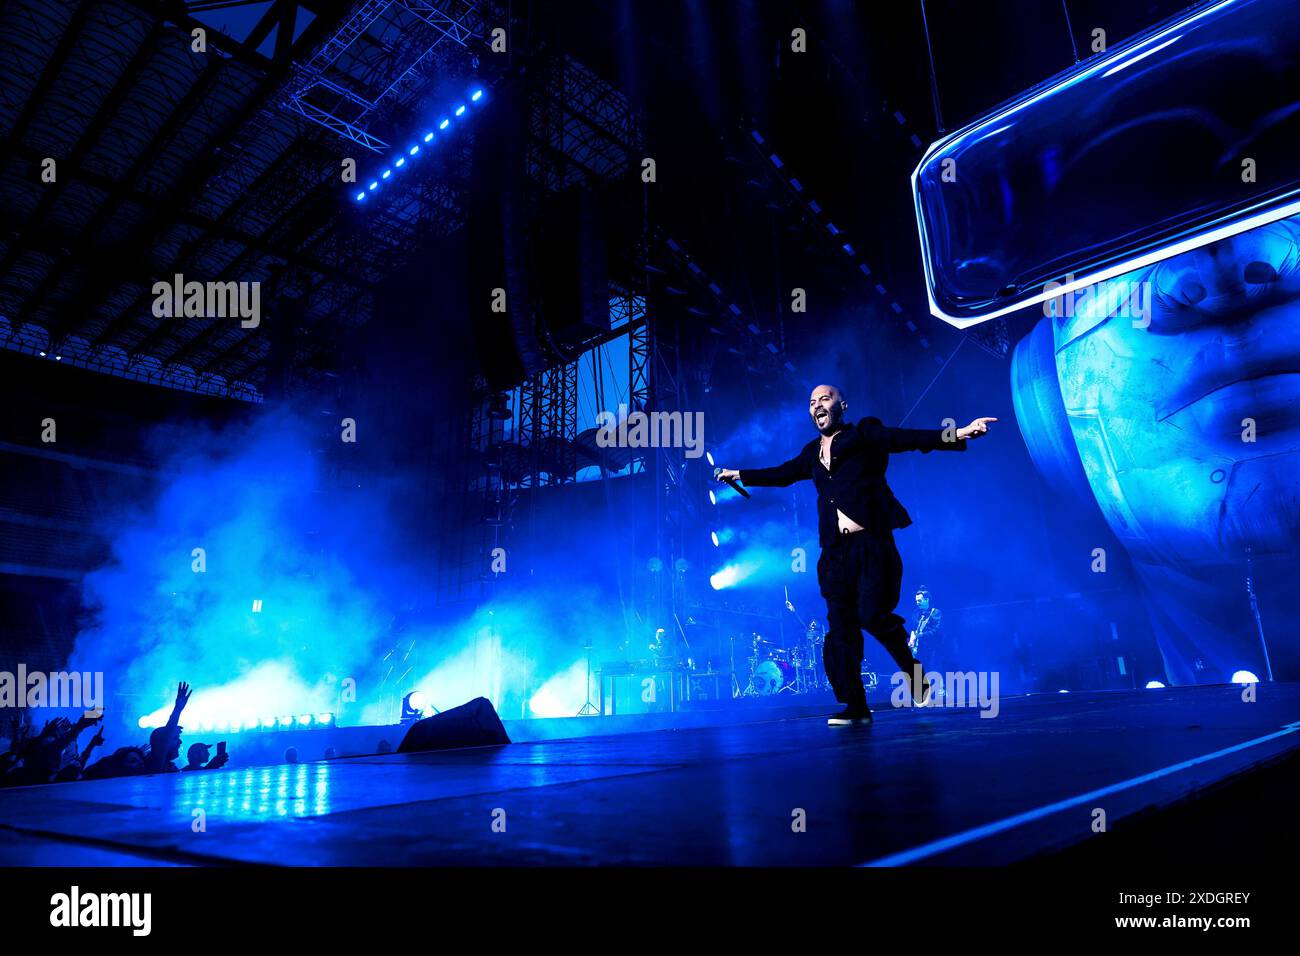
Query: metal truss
[[632, 309], [547, 428], [381, 56], [581, 128]]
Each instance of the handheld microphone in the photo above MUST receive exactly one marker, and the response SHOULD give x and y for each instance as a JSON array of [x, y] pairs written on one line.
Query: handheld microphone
[[717, 473]]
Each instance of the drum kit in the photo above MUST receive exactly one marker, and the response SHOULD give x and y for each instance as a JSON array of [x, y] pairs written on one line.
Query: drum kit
[[775, 669], [709, 660]]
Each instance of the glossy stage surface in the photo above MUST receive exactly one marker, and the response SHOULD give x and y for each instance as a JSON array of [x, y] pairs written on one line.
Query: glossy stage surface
[[935, 786]]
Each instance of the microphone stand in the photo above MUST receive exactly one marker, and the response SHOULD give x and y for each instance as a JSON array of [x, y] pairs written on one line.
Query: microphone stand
[[588, 709]]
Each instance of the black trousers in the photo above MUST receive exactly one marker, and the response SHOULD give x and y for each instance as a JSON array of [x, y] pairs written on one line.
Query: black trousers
[[860, 576]]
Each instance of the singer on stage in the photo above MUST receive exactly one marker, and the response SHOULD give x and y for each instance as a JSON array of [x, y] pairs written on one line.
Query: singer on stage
[[859, 572]]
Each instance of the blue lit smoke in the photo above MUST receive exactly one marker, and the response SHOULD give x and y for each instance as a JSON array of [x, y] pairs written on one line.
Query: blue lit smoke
[[322, 561], [764, 555], [346, 624]]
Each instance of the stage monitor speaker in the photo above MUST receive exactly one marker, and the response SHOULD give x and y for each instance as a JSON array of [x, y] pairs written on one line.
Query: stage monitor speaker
[[475, 724]]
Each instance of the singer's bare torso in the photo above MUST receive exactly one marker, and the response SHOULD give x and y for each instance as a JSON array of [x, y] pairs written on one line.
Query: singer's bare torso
[[847, 524]]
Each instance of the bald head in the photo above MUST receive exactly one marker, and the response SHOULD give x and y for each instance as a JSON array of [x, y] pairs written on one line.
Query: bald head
[[826, 405]]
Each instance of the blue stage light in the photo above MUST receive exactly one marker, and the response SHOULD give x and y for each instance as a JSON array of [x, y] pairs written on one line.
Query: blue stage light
[[427, 137], [374, 186], [268, 723], [713, 499], [714, 536], [1155, 685], [285, 722], [324, 718], [304, 720], [361, 195], [709, 456], [1244, 677]]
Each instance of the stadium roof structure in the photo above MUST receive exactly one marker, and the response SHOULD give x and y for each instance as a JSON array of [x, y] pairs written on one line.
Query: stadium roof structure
[[131, 153]]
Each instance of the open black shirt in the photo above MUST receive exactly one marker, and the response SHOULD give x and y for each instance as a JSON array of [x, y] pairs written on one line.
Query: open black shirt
[[855, 483]]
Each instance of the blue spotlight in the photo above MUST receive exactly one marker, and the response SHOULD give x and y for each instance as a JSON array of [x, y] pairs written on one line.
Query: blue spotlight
[[361, 195], [374, 186], [304, 720], [714, 536], [324, 718], [1244, 677], [1155, 685], [429, 136], [713, 499], [709, 456]]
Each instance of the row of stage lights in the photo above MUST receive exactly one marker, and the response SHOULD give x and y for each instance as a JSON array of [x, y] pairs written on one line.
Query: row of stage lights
[[252, 724], [415, 706], [727, 575], [713, 500], [424, 141]]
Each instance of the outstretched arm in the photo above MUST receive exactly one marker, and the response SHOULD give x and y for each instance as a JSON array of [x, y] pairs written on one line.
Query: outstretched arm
[[95, 741], [182, 698], [783, 475], [923, 439]]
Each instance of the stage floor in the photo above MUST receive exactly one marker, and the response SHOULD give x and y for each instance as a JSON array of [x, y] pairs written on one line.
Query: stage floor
[[935, 786]]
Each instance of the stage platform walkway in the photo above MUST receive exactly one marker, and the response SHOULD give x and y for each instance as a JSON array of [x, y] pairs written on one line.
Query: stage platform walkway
[[934, 786]]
